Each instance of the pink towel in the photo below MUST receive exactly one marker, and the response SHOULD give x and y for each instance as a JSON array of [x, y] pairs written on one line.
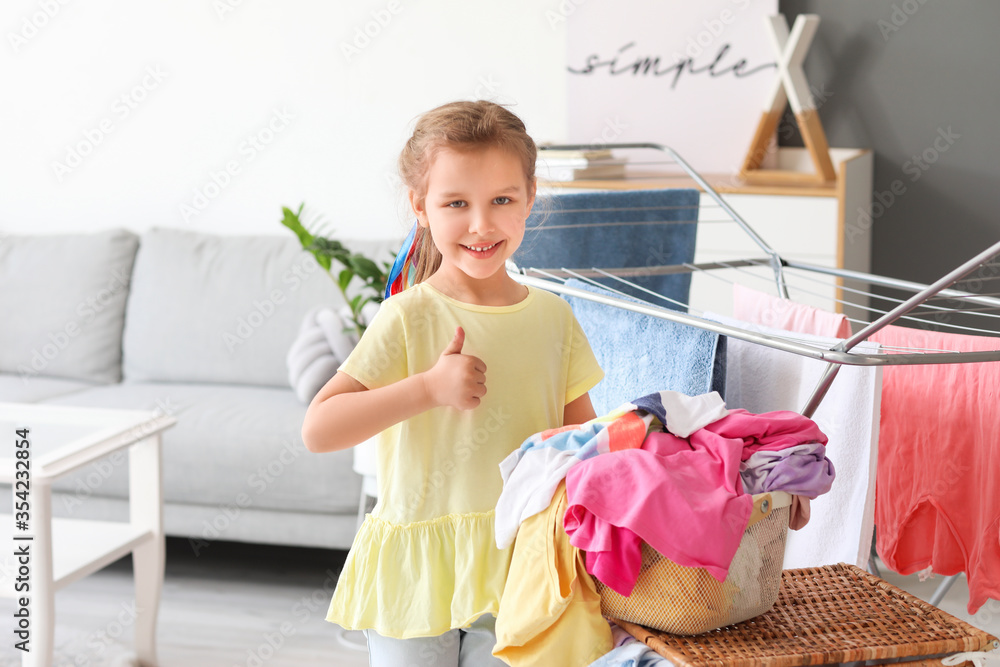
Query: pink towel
[[937, 494], [756, 307]]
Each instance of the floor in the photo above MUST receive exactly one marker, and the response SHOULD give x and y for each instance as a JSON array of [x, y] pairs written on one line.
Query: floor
[[233, 605], [236, 605]]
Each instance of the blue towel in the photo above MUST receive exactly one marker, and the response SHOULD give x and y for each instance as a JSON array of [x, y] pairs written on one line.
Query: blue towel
[[642, 241], [642, 354]]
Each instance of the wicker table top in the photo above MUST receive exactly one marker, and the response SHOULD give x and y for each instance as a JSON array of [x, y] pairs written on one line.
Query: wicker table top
[[832, 614]]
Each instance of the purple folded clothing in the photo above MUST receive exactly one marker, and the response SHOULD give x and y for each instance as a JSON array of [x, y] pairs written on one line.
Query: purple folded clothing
[[802, 470]]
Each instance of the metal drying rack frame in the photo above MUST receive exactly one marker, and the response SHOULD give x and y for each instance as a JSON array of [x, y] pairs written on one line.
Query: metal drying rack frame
[[837, 356]]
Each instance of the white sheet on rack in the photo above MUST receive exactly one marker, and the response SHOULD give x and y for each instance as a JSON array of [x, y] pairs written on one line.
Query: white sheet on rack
[[761, 379]]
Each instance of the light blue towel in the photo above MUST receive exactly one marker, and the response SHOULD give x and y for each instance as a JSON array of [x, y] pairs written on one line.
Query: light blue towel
[[641, 354], [616, 229]]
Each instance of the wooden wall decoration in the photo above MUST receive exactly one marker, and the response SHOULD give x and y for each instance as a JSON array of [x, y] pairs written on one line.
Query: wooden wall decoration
[[790, 87]]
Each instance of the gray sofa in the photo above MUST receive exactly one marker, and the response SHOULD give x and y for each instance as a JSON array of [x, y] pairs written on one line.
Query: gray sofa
[[198, 326]]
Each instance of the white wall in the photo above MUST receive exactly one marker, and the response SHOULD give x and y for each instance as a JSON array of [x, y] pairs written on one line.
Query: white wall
[[166, 93]]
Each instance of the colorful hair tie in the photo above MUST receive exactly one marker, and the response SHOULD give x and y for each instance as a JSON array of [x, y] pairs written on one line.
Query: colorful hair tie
[[404, 268]]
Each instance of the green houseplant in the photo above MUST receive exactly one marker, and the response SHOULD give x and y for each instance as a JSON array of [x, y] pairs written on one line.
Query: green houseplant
[[330, 254]]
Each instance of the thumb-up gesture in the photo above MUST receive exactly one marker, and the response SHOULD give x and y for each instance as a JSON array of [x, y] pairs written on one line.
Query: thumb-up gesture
[[457, 380]]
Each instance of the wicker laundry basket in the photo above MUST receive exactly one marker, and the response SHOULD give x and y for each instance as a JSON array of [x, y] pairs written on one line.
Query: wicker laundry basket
[[688, 600]]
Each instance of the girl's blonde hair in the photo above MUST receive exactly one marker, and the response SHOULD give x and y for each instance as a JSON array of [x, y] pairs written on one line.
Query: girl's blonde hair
[[459, 126]]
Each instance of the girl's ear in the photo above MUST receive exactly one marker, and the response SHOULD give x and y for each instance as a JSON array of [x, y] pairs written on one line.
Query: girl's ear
[[532, 191], [419, 207]]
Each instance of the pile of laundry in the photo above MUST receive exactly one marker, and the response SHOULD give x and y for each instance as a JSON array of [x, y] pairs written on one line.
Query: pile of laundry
[[583, 499]]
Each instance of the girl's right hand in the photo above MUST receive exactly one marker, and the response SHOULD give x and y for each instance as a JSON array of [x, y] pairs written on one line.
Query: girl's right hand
[[457, 380]]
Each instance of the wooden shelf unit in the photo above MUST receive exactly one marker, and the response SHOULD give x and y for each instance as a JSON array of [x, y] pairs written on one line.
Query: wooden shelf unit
[[827, 224]]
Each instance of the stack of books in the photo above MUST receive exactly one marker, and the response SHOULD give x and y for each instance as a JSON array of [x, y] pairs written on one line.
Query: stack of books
[[560, 165]]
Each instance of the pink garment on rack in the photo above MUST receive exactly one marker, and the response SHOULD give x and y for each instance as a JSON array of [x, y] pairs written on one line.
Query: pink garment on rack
[[682, 496], [756, 307], [937, 488]]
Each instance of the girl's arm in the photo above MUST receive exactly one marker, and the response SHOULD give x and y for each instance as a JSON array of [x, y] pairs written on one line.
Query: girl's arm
[[578, 411], [345, 413]]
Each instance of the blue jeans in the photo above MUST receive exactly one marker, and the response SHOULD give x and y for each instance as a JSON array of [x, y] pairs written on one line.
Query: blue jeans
[[468, 647]]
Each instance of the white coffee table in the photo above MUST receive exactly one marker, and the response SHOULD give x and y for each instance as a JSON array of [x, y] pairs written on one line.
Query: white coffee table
[[63, 439]]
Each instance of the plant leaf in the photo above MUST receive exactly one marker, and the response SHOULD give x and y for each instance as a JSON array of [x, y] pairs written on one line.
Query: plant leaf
[[344, 279], [292, 221], [327, 251], [364, 267], [328, 246]]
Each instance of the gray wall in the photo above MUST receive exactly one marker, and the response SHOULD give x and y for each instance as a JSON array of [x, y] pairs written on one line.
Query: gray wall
[[898, 76]]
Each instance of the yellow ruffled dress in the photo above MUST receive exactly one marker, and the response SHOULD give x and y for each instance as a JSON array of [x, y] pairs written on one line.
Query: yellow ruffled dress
[[425, 560]]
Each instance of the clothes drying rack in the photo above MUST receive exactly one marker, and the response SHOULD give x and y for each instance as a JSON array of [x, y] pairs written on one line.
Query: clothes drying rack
[[971, 289]]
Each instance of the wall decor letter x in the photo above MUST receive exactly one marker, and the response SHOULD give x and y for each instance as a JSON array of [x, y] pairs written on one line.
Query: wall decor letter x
[[790, 86]]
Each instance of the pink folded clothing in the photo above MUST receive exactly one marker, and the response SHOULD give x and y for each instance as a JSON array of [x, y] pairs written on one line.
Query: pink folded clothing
[[682, 496], [756, 307], [768, 431], [937, 501]]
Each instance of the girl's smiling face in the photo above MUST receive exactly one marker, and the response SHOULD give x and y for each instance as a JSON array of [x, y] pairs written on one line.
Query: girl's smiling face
[[476, 205]]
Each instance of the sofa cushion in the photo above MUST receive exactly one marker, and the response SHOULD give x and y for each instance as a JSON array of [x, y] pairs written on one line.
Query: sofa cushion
[[18, 389], [229, 443], [63, 301], [209, 308]]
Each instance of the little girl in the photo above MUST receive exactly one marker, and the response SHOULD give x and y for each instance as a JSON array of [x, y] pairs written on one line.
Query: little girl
[[453, 373]]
